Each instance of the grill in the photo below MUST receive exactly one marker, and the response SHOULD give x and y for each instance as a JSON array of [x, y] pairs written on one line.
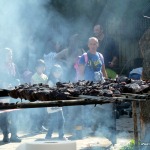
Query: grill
[[111, 92]]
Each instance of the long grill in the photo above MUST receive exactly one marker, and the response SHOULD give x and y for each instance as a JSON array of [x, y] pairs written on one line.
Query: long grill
[[80, 93]]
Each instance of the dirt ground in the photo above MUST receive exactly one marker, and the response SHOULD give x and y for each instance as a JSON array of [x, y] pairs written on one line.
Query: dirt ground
[[124, 127]]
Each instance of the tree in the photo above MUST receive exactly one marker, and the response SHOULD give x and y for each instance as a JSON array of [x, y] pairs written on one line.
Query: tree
[[145, 106]]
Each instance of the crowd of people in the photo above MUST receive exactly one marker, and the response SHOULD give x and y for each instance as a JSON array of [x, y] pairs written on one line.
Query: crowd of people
[[72, 63]]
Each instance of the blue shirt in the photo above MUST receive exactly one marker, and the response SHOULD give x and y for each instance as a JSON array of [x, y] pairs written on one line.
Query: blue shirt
[[94, 64]]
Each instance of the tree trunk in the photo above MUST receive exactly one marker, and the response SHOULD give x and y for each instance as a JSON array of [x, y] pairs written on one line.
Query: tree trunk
[[145, 106]]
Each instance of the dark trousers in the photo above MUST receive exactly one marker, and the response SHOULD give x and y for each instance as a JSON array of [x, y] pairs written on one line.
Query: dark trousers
[[7, 124], [56, 119], [38, 117], [4, 123]]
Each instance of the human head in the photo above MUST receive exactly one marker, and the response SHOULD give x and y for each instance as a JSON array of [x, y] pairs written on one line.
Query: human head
[[93, 44], [40, 66], [98, 30], [56, 71]]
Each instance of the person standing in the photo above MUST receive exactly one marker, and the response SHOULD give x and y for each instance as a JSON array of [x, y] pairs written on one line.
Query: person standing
[[52, 49], [39, 76], [90, 70], [68, 56], [38, 114], [109, 49], [55, 114], [8, 79]]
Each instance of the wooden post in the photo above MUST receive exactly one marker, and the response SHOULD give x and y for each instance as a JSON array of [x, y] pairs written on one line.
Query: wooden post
[[135, 124], [114, 130]]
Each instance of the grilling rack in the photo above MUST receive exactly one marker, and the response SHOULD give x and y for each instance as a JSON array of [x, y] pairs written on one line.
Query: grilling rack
[[83, 100], [73, 101]]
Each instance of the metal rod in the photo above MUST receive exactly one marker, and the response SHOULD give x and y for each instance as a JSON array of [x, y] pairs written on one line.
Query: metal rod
[[84, 100], [112, 98], [59, 103], [144, 95]]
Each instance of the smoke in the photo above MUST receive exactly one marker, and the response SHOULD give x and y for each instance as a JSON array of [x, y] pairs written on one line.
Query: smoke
[[21, 20], [26, 25], [16, 19], [29, 24], [113, 14], [124, 16]]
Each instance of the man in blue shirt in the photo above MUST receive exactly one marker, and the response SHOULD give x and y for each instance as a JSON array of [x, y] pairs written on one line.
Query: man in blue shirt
[[94, 64], [90, 64]]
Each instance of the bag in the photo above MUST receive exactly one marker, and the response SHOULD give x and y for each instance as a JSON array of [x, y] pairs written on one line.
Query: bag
[[99, 76], [76, 65], [135, 76]]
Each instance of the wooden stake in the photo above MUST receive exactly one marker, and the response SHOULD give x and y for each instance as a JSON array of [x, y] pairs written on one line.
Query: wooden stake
[[135, 124]]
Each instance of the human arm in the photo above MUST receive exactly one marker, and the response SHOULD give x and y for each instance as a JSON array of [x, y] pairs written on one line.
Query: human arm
[[104, 71], [61, 55], [81, 71], [113, 62], [103, 66], [81, 67]]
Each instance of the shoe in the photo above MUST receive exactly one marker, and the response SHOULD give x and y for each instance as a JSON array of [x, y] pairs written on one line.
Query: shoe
[[48, 138], [6, 140], [92, 133], [72, 138], [15, 139]]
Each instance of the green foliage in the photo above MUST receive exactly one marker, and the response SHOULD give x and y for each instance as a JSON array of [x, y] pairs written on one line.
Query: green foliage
[[130, 146]]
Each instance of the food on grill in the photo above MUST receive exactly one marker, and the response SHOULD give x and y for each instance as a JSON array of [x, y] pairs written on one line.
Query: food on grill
[[66, 91], [3, 92]]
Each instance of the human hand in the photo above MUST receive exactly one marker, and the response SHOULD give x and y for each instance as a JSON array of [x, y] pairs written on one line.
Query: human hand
[[111, 64]]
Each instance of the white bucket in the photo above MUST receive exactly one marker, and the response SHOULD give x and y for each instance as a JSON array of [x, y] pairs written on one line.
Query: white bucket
[[48, 145]]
